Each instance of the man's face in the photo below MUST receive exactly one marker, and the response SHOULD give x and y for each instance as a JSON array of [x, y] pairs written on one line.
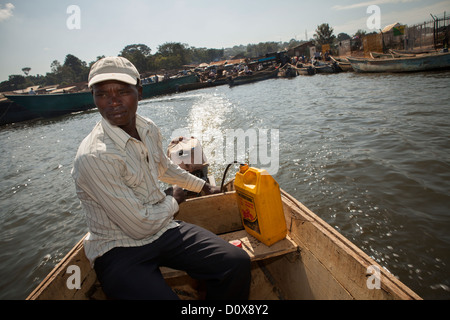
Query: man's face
[[117, 102]]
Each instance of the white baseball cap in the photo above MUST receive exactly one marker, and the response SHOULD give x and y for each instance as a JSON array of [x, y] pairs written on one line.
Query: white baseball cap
[[113, 68]]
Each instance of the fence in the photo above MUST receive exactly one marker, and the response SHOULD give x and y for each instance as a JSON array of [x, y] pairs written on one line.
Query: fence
[[427, 35], [441, 31], [430, 35], [420, 36]]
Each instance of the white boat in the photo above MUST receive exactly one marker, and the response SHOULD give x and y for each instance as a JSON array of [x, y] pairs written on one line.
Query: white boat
[[422, 62]]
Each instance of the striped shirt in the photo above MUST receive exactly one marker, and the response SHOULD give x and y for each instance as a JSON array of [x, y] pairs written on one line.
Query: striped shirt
[[117, 181]]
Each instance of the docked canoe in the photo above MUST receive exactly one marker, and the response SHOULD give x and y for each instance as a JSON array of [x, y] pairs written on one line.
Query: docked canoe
[[306, 71], [287, 71], [326, 68], [423, 62], [343, 64], [314, 261]]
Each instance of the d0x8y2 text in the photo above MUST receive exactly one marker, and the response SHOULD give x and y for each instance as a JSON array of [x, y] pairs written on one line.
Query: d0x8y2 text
[[246, 309]]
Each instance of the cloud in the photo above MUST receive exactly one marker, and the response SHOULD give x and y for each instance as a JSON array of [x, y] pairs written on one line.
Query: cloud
[[369, 3], [6, 13]]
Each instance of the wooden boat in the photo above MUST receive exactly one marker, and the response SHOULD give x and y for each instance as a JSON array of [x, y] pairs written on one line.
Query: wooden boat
[[415, 51], [306, 70], [379, 55], [254, 77], [325, 68], [423, 62], [53, 105], [343, 64], [314, 261], [331, 67], [395, 54], [287, 71]]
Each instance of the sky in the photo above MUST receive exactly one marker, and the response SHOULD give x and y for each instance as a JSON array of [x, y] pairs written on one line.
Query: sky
[[35, 33]]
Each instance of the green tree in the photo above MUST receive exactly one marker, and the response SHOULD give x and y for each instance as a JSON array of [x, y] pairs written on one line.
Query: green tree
[[74, 70], [199, 55], [17, 81], [324, 34], [360, 33], [132, 48], [26, 70], [177, 52], [138, 54], [171, 62], [55, 66]]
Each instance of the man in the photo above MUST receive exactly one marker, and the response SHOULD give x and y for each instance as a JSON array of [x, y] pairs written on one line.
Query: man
[[131, 227]]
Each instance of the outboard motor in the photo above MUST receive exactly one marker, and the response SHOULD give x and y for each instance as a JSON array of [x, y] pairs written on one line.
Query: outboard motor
[[188, 154]]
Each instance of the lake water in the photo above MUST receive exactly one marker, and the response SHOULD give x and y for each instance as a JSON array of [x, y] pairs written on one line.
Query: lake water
[[369, 154]]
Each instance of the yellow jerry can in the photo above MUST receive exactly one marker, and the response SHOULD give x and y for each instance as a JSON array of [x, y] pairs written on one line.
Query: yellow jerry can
[[259, 201]]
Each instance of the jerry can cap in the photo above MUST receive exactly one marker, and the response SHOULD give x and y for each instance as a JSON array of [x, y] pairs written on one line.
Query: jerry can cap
[[243, 167]]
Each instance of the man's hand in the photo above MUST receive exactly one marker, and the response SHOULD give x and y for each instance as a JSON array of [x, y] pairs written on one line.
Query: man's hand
[[209, 189], [177, 193]]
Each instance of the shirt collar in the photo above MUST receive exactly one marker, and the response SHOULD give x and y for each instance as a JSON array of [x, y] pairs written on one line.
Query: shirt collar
[[119, 136]]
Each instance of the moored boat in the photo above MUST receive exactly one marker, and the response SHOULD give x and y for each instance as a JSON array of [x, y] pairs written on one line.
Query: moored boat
[[57, 104], [53, 105], [392, 54], [422, 62], [306, 70], [201, 85], [168, 86], [287, 71], [325, 68], [314, 261], [253, 77], [379, 55], [11, 112], [343, 64]]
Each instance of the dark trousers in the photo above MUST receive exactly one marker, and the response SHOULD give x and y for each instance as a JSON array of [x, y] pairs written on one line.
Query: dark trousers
[[133, 272]]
